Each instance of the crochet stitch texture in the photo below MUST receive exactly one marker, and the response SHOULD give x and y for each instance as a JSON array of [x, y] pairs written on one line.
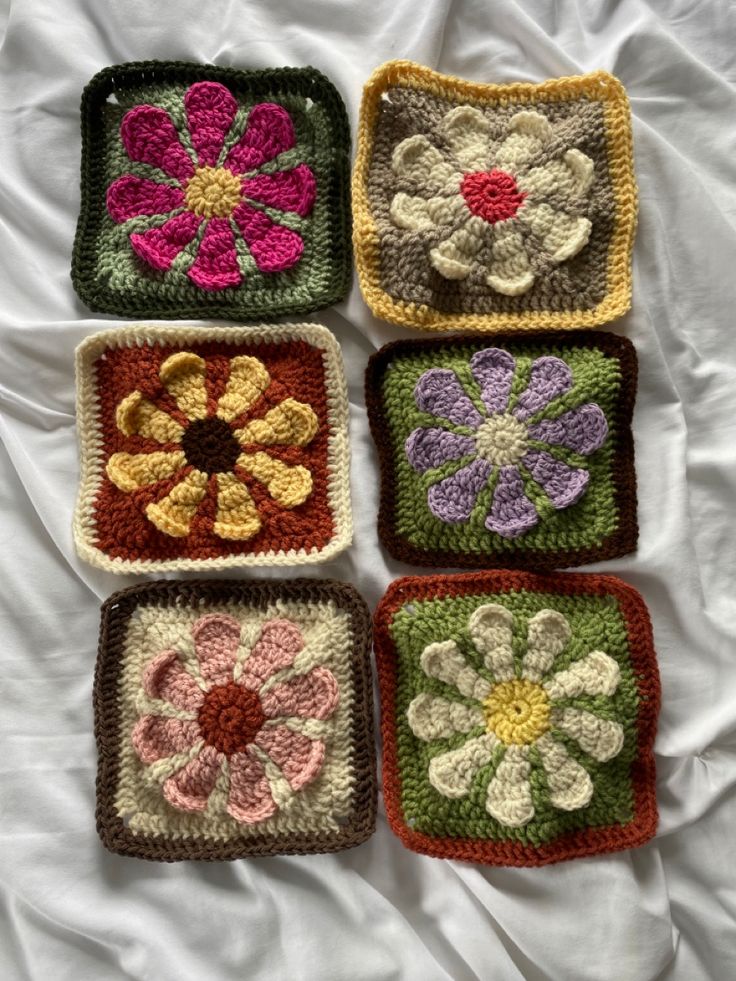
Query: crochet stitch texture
[[518, 715], [212, 192], [490, 206], [517, 453], [234, 719], [211, 447]]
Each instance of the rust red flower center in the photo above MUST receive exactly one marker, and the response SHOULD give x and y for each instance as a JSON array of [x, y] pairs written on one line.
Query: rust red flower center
[[209, 445], [492, 195], [230, 718]]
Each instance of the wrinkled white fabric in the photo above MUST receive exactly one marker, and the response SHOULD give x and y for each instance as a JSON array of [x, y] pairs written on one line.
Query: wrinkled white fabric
[[70, 909]]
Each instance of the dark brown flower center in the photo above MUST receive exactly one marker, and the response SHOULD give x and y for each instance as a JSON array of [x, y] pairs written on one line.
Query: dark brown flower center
[[230, 718], [209, 445], [492, 195]]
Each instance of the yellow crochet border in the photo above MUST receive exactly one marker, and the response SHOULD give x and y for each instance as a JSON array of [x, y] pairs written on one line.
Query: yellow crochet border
[[597, 85]]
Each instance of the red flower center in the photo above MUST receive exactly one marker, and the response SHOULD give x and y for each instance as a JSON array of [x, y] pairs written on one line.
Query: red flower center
[[230, 718], [492, 195]]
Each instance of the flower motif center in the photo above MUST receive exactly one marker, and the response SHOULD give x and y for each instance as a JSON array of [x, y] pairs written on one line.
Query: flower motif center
[[502, 439], [210, 446], [492, 195], [230, 718], [213, 192], [517, 711]]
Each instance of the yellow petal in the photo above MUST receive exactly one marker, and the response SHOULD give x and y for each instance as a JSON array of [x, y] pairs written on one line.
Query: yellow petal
[[288, 486], [173, 514], [291, 423], [129, 471], [247, 382], [237, 515], [135, 415], [183, 375]]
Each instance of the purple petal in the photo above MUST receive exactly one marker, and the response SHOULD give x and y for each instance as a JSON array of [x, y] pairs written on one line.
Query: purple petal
[[493, 369], [583, 429], [439, 393], [550, 377], [429, 448], [562, 484], [453, 498], [512, 513]]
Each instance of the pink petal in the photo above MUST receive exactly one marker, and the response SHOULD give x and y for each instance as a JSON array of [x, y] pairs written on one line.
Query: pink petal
[[298, 757], [216, 265], [160, 246], [189, 789], [278, 645], [269, 132], [130, 196], [250, 799], [216, 638], [289, 190], [167, 678], [210, 110], [155, 737], [310, 696], [273, 247], [150, 137]]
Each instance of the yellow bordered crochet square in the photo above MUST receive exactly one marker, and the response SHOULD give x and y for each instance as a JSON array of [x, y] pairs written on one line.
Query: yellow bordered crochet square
[[489, 207]]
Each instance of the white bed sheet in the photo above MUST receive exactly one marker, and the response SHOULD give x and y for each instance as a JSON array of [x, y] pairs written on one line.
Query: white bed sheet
[[70, 910]]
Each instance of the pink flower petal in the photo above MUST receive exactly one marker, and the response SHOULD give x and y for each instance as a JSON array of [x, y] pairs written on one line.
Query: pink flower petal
[[250, 799], [160, 246], [189, 789], [130, 196], [269, 132], [155, 737], [216, 638], [149, 136], [289, 190], [273, 247], [310, 696], [278, 645], [210, 110], [216, 265], [167, 678], [298, 757]]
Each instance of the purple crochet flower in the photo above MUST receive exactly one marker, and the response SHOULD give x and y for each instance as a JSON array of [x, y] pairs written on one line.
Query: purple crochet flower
[[502, 438]]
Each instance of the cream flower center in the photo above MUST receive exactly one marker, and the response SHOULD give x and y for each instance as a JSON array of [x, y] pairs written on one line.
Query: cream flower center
[[517, 711], [501, 439], [213, 192]]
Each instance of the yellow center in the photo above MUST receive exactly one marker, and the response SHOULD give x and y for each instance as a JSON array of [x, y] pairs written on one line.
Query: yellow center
[[213, 192], [517, 711], [502, 439]]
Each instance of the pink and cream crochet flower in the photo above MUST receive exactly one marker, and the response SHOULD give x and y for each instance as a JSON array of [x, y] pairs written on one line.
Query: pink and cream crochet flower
[[214, 187], [223, 724]]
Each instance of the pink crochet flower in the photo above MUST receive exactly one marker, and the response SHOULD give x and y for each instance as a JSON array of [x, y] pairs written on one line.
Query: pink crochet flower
[[226, 717], [210, 186]]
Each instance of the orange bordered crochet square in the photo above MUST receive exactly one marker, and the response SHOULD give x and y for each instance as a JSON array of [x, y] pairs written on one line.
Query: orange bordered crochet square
[[518, 716], [483, 206], [234, 718], [211, 448]]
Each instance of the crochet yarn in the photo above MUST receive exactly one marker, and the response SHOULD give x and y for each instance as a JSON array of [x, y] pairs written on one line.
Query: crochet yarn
[[517, 454], [211, 447], [234, 719], [489, 206], [212, 192], [518, 715]]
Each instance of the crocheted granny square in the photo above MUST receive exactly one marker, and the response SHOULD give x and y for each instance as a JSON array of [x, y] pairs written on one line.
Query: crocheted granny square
[[518, 716], [518, 454], [211, 192], [211, 447], [234, 718], [489, 206]]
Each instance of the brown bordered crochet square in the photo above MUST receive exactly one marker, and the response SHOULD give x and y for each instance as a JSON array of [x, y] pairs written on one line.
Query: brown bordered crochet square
[[566, 537], [408, 272], [331, 811]]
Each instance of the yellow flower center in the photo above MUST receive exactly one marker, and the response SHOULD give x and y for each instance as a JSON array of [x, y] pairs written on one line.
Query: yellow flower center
[[517, 711], [501, 439], [213, 192]]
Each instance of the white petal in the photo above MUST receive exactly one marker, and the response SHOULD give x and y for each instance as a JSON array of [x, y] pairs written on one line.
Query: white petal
[[416, 158], [547, 636], [594, 674], [452, 773], [600, 738], [571, 176], [467, 131], [491, 628], [445, 662], [509, 272], [454, 257], [528, 133], [562, 235], [418, 214], [509, 797], [570, 786], [431, 717]]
